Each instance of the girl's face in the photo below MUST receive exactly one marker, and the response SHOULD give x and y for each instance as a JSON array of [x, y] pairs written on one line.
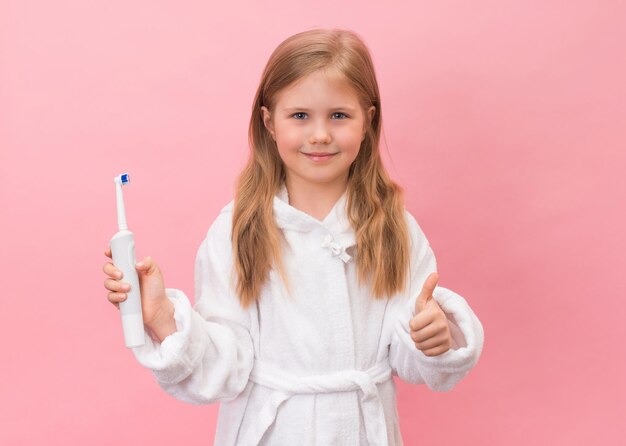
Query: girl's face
[[318, 125]]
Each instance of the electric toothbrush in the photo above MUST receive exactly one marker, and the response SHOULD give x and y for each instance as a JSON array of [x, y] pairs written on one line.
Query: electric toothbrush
[[123, 254]]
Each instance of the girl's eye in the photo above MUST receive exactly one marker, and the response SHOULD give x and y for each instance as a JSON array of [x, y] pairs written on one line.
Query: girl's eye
[[302, 115]]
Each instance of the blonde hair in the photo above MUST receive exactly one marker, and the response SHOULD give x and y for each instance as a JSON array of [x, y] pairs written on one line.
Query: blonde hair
[[374, 203]]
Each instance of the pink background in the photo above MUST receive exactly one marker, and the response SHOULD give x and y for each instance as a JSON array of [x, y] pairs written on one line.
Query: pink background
[[503, 120]]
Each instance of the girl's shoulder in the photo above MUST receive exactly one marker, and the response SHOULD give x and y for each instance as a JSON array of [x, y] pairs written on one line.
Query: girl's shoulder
[[219, 230], [416, 234], [228, 209]]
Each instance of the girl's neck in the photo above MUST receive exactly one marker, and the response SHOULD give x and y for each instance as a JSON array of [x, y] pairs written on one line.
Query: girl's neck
[[316, 199]]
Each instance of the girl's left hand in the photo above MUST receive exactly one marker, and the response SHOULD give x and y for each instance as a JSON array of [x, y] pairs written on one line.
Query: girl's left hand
[[429, 327]]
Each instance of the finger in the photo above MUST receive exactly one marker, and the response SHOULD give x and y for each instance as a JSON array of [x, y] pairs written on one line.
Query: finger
[[146, 266], [116, 285], [422, 319], [429, 285], [107, 252], [439, 350], [112, 271], [432, 342], [117, 297], [425, 333], [427, 291]]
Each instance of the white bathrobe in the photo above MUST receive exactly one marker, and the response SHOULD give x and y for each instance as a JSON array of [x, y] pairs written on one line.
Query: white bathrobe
[[310, 367]]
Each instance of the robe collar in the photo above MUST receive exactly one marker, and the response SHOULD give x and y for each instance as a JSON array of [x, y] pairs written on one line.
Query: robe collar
[[335, 224]]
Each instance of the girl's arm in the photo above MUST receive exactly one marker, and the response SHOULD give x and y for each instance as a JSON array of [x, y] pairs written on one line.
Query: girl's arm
[[210, 356], [442, 372]]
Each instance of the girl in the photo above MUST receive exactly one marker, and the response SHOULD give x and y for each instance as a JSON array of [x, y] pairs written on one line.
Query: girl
[[314, 285]]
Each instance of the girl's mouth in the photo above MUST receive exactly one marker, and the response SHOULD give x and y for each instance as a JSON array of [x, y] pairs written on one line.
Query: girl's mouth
[[319, 156]]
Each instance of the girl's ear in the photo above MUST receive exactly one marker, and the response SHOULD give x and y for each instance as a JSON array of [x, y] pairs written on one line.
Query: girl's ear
[[267, 121], [371, 112], [368, 122]]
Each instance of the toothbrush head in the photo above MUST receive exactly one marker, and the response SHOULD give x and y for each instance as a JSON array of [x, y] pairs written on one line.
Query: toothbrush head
[[122, 179]]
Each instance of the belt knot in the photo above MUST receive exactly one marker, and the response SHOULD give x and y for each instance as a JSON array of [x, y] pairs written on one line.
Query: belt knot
[[337, 250]]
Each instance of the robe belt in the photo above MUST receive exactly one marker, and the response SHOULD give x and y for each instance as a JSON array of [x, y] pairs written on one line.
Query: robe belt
[[286, 385]]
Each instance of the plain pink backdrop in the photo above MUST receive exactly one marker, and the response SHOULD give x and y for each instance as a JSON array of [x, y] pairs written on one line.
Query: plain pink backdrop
[[503, 120]]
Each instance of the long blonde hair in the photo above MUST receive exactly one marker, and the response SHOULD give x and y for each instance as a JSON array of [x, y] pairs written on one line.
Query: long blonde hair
[[374, 203]]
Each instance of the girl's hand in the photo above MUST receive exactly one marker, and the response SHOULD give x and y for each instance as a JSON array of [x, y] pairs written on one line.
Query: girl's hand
[[155, 305], [429, 327]]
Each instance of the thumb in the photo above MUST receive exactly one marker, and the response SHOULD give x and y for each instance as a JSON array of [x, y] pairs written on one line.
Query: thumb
[[427, 292], [146, 266]]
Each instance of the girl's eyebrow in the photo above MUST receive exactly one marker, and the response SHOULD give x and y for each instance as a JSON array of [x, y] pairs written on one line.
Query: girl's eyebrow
[[339, 107]]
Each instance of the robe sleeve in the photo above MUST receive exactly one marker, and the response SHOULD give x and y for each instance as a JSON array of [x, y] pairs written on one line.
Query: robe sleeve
[[210, 356], [440, 373]]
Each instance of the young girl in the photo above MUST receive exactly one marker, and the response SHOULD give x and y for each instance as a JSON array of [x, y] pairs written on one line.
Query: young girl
[[314, 285]]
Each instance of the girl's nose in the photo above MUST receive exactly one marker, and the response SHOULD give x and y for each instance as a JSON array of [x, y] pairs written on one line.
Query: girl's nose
[[320, 135]]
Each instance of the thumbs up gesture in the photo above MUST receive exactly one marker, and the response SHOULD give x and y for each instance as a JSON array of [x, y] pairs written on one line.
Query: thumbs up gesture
[[429, 327]]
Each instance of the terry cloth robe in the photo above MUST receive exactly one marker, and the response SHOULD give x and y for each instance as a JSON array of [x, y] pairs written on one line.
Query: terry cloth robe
[[312, 366]]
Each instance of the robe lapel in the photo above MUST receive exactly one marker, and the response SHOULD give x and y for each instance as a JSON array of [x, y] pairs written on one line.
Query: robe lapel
[[336, 222]]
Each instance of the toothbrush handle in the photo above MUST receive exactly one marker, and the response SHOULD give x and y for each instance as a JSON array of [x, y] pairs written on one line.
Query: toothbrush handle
[[123, 255]]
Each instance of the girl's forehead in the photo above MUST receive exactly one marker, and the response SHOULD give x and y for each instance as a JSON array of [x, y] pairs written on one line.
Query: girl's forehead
[[327, 77], [318, 87]]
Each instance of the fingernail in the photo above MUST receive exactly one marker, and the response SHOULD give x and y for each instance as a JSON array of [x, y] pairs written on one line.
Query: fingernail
[[118, 275], [140, 264]]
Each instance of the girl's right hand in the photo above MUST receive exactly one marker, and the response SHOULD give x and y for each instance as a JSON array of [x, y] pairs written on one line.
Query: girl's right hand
[[155, 305]]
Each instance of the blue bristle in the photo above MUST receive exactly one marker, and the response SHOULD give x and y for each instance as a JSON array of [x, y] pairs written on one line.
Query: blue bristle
[[125, 178]]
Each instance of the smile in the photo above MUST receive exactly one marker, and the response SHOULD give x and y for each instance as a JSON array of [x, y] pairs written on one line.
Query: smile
[[317, 157]]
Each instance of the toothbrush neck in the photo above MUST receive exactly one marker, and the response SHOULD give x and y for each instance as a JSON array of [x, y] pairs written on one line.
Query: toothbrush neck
[[121, 213]]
